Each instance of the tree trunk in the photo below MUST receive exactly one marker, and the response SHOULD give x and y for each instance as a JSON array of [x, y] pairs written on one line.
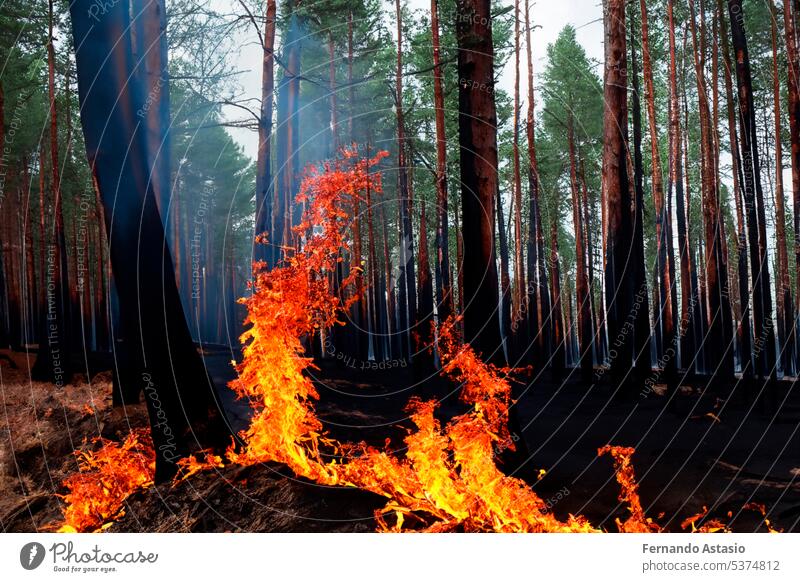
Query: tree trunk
[[53, 361], [664, 250], [444, 299], [785, 304], [763, 329], [641, 305], [557, 313], [264, 189], [287, 138], [184, 409], [793, 58], [425, 286], [743, 331], [407, 296], [519, 295], [477, 123], [584, 313], [619, 214], [538, 300], [719, 337], [505, 280]]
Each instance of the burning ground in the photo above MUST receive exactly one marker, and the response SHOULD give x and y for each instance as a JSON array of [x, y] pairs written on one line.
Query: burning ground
[[356, 406]]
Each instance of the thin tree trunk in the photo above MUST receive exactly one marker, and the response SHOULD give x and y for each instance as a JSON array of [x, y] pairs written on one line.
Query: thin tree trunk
[[793, 83], [641, 320], [538, 300], [407, 296], [584, 314], [264, 189], [425, 286], [664, 248], [676, 186], [785, 304], [53, 362], [505, 280], [519, 294], [444, 297], [555, 294]]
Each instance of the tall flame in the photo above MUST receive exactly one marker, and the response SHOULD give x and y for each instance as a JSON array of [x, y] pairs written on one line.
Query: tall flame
[[448, 478]]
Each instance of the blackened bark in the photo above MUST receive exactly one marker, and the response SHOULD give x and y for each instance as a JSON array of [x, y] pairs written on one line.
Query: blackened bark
[[763, 327], [182, 404]]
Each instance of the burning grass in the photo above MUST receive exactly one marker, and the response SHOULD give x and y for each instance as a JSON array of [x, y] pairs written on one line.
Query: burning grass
[[106, 477]]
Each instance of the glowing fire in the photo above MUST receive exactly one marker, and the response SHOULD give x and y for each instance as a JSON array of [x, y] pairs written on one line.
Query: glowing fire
[[106, 477]]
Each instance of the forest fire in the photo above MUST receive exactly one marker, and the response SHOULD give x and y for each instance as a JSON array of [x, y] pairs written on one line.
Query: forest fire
[[448, 479]]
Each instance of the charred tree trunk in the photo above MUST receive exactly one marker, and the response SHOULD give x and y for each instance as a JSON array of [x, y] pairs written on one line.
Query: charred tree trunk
[[641, 303], [685, 329], [619, 214], [183, 408], [664, 249], [584, 312], [763, 328], [505, 280], [743, 330], [477, 136], [559, 341], [719, 337], [425, 286], [477, 124], [785, 304], [408, 295], [519, 295], [793, 58]]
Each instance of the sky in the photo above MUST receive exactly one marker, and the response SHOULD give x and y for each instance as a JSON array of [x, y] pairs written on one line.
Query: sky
[[548, 17]]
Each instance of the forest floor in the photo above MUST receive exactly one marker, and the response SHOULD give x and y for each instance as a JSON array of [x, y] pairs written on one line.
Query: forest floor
[[694, 450]]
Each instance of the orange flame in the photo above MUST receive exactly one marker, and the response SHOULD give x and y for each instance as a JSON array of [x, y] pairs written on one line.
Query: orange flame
[[106, 477], [637, 522], [448, 478]]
